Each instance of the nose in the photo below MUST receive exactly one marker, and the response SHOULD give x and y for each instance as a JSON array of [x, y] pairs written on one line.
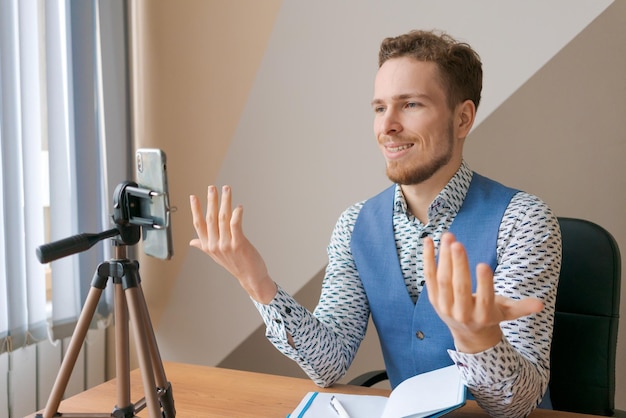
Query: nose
[[389, 122]]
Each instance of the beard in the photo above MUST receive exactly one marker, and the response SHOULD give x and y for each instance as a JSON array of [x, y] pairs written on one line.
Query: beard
[[406, 174]]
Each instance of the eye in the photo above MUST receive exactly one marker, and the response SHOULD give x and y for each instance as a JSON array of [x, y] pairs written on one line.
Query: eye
[[413, 105], [379, 109]]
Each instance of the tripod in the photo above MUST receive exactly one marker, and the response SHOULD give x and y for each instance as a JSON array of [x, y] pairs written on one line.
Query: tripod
[[130, 306]]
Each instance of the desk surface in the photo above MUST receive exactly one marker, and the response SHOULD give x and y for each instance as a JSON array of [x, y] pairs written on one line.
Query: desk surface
[[201, 391]]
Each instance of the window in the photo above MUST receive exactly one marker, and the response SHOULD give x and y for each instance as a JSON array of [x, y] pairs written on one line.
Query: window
[[64, 147]]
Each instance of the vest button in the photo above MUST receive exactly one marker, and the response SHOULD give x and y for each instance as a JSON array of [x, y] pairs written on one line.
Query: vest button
[[419, 335]]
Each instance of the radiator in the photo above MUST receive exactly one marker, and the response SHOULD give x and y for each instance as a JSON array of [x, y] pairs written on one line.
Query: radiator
[[28, 373]]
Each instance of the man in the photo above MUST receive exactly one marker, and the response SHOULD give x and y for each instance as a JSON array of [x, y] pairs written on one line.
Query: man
[[453, 267]]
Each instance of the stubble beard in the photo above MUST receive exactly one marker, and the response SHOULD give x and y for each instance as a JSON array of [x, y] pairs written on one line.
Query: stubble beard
[[402, 174]]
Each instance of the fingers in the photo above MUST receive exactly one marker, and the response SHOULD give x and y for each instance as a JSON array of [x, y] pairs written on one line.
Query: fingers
[[236, 226], [485, 294], [224, 217], [513, 309], [527, 307], [214, 228], [199, 223], [445, 273], [211, 218], [461, 283], [453, 286]]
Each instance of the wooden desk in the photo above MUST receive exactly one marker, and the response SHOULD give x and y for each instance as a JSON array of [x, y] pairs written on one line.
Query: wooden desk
[[201, 391]]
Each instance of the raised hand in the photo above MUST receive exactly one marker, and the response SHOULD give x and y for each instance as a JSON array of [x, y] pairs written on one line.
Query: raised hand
[[473, 318], [220, 235]]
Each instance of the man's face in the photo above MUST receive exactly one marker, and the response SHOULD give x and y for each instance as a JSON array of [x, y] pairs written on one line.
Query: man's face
[[413, 124]]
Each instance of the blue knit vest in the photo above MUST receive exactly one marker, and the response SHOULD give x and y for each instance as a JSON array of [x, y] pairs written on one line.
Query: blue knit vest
[[413, 338]]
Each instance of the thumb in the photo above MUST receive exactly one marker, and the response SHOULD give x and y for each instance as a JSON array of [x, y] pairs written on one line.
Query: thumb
[[514, 309]]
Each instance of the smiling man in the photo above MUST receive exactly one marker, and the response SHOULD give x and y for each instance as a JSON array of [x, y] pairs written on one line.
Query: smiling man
[[453, 267]]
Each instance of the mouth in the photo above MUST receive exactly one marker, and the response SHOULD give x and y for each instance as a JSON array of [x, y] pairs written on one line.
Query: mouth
[[398, 148]]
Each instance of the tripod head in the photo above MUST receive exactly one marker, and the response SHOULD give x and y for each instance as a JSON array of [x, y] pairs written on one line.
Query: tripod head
[[129, 201]]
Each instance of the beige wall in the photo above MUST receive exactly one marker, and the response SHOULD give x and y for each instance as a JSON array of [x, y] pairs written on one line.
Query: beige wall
[[194, 64], [272, 98]]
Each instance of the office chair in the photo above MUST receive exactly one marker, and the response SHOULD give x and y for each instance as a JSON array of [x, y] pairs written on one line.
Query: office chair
[[584, 343], [582, 377]]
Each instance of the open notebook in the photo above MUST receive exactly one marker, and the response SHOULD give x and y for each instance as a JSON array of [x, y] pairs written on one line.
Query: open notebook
[[429, 394]]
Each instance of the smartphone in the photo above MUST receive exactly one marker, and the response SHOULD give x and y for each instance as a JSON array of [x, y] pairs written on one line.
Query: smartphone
[[151, 171]]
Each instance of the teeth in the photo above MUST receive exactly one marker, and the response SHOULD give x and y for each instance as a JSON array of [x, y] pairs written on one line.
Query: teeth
[[399, 148]]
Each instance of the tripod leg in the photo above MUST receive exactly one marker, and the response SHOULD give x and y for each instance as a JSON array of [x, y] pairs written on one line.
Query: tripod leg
[[122, 361], [76, 343], [143, 351], [165, 388]]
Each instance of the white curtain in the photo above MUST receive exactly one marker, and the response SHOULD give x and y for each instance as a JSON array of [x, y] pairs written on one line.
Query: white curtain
[[65, 145]]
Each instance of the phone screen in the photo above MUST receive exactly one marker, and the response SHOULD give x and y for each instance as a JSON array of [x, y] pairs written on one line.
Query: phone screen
[[151, 169]]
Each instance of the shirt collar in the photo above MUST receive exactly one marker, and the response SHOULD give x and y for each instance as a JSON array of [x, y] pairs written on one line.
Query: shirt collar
[[450, 198]]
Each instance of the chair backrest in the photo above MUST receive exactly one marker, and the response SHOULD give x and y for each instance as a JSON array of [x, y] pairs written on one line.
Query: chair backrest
[[586, 320]]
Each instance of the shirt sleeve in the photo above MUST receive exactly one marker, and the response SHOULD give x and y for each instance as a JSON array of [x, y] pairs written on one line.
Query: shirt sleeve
[[529, 262], [325, 341]]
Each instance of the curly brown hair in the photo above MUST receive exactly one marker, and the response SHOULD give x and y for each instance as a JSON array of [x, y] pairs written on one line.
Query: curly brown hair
[[459, 65]]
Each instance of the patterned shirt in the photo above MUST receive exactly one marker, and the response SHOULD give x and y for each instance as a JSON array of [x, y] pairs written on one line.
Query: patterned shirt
[[529, 262]]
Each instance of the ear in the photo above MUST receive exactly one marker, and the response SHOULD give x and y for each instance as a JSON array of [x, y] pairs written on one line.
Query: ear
[[465, 116]]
